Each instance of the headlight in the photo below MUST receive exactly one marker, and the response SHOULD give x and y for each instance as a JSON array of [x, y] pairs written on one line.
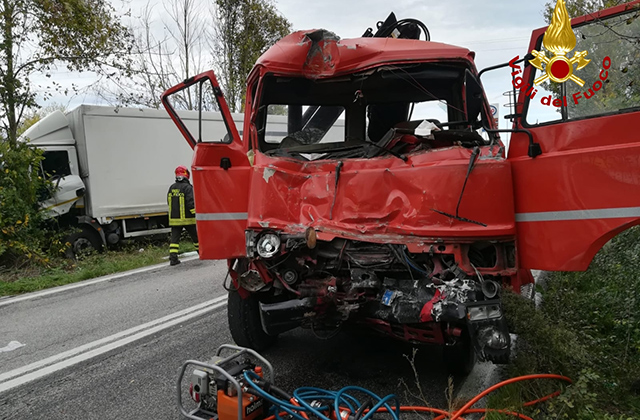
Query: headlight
[[479, 313], [268, 245]]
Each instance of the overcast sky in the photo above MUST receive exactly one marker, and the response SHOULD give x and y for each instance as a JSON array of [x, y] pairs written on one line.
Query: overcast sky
[[496, 30]]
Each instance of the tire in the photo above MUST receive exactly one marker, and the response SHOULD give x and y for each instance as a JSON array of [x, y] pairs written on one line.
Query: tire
[[83, 242], [244, 322], [460, 358]]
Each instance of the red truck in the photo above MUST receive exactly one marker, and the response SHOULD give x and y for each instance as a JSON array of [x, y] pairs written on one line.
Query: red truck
[[390, 201]]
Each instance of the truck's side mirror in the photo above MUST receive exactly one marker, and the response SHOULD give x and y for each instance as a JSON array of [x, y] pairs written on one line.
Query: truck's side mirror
[[474, 97]]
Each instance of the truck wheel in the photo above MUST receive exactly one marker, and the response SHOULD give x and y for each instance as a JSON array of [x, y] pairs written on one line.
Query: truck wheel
[[244, 322], [460, 358], [83, 242]]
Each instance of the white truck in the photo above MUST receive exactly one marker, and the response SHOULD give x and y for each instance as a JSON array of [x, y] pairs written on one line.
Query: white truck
[[112, 167]]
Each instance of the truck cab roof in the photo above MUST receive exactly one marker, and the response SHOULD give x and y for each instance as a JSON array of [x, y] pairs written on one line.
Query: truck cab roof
[[320, 53], [52, 130]]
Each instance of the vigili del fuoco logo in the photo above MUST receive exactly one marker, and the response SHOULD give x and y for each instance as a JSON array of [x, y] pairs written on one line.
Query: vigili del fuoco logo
[[560, 40]]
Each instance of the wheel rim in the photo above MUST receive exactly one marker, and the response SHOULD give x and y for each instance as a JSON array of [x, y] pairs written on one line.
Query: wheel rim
[[82, 245]]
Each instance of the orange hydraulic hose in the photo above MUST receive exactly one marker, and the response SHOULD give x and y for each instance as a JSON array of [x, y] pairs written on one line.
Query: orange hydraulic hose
[[539, 400], [466, 409], [487, 410], [503, 383], [302, 413]]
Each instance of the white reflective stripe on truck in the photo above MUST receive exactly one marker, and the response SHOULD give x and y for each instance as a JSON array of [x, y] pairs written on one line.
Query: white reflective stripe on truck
[[221, 216], [63, 203], [586, 214]]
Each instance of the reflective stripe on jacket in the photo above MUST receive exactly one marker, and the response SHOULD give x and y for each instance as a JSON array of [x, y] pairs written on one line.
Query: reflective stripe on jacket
[[181, 205]]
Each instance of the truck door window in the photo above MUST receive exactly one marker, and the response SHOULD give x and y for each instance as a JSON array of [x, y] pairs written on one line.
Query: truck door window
[[56, 163], [207, 125], [610, 79], [539, 113]]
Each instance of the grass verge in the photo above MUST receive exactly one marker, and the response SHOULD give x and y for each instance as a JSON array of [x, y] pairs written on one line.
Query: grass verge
[[63, 271], [587, 328]]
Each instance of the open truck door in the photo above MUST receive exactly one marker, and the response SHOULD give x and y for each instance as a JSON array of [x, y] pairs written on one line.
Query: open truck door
[[220, 167], [584, 187]]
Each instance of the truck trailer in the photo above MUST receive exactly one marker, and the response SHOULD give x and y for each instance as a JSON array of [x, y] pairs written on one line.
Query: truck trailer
[[110, 169]]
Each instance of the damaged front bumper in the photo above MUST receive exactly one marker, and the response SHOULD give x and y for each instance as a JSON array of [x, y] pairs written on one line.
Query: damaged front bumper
[[436, 297]]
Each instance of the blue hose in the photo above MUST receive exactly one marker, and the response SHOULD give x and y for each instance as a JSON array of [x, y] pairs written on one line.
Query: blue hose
[[305, 396], [381, 402]]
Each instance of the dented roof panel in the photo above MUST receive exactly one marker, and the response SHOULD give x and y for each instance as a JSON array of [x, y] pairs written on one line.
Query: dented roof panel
[[319, 53]]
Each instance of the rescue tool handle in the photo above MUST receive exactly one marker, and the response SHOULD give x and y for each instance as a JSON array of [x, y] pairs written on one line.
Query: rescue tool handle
[[216, 369], [240, 351]]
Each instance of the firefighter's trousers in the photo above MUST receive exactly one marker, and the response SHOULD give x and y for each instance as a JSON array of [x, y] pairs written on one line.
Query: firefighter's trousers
[[176, 231]]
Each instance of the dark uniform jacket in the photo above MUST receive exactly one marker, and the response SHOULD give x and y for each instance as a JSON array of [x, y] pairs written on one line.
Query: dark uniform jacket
[[182, 209]]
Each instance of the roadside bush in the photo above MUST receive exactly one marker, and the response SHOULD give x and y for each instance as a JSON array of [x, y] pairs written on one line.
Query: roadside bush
[[22, 235], [62, 271], [587, 328]]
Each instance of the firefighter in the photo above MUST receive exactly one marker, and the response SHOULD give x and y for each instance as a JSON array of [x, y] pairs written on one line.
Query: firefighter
[[182, 212]]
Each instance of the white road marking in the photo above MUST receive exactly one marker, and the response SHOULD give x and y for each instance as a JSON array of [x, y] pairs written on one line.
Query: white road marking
[[11, 346], [86, 283], [71, 357]]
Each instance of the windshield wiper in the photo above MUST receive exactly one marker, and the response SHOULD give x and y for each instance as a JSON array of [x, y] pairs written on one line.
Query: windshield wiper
[[386, 139], [472, 163], [391, 152]]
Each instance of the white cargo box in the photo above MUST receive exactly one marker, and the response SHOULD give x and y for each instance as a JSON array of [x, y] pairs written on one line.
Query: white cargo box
[[126, 155]]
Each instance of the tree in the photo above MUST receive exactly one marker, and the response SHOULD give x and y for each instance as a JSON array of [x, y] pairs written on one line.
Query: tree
[[21, 239], [241, 30], [159, 63], [38, 35], [244, 29], [581, 7]]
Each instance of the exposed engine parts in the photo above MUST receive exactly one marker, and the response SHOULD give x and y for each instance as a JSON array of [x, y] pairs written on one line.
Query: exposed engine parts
[[450, 287]]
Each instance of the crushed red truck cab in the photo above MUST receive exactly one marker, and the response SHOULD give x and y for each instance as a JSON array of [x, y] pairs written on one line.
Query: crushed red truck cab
[[370, 185]]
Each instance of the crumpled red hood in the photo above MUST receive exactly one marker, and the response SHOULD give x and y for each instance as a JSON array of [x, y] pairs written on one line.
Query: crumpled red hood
[[383, 199]]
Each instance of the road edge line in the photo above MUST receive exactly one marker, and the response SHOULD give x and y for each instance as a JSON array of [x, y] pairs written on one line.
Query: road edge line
[[29, 377], [7, 376]]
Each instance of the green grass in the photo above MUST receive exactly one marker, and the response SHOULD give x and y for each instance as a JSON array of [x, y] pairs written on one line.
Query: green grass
[[588, 328], [64, 271]]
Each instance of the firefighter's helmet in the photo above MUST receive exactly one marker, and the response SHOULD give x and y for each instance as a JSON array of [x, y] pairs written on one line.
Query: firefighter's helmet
[[182, 171]]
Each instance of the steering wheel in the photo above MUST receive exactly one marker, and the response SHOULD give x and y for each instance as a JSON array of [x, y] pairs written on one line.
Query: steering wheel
[[290, 141]]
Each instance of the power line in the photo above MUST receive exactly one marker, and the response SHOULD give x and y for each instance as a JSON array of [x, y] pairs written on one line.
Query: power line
[[493, 41]]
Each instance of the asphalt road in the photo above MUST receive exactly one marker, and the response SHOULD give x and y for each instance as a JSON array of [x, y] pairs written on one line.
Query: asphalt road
[[112, 350]]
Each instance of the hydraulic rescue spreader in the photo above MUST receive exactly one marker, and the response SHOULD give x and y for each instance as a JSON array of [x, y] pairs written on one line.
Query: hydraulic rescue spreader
[[241, 386]]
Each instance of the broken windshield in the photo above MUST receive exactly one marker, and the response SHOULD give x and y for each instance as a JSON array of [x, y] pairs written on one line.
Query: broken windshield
[[362, 115]]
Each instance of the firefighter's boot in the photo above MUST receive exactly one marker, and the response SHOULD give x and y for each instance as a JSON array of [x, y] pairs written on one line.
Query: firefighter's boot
[[173, 259]]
